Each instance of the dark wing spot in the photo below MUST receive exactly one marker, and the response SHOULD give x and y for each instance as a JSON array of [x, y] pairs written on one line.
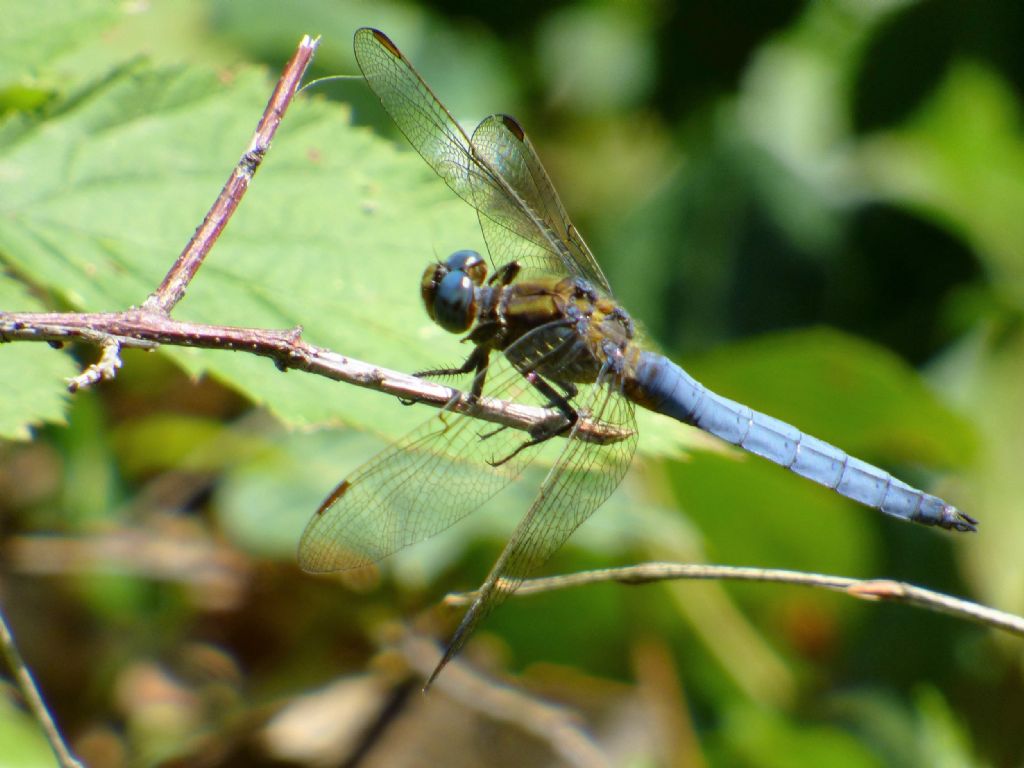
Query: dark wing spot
[[386, 42], [513, 125], [336, 494]]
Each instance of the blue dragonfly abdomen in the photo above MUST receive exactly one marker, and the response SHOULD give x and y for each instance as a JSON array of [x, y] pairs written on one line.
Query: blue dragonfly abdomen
[[662, 386]]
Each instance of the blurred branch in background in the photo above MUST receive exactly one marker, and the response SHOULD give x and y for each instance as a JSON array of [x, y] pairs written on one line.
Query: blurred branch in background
[[33, 699], [864, 589]]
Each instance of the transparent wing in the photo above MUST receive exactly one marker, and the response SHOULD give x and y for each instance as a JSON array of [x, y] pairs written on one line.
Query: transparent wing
[[523, 222], [427, 481], [501, 142], [579, 482]]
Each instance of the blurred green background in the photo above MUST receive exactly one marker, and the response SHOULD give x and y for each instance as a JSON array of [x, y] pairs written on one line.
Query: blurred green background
[[815, 207]]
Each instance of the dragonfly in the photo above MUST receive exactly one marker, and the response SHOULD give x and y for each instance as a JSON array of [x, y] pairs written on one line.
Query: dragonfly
[[544, 329]]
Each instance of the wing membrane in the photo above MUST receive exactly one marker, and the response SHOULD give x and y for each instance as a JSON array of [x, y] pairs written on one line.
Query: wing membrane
[[525, 223], [501, 142], [430, 479], [582, 478], [441, 472]]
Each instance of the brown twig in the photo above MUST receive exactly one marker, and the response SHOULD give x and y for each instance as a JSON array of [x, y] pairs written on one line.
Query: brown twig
[[865, 589], [172, 288], [112, 331], [104, 368], [144, 328]]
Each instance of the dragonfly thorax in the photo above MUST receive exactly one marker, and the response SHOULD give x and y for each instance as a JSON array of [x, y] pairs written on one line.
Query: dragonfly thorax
[[449, 288]]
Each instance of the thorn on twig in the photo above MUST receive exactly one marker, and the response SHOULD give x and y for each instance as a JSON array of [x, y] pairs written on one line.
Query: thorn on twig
[[104, 368], [251, 160], [294, 356]]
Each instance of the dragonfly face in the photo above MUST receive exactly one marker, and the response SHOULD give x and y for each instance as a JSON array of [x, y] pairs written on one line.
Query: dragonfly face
[[545, 331], [449, 288]]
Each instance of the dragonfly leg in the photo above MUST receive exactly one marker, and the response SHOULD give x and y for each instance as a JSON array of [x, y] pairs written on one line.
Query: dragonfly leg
[[555, 399], [569, 389], [623, 317], [570, 392], [475, 363], [505, 274], [544, 433], [542, 437], [492, 433], [476, 359]]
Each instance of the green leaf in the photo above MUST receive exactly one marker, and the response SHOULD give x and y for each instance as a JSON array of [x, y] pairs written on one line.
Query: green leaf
[[333, 235], [836, 388], [31, 35], [925, 731], [750, 511], [761, 737], [32, 376], [265, 500], [986, 377], [843, 390], [22, 739], [961, 160], [943, 738], [163, 441]]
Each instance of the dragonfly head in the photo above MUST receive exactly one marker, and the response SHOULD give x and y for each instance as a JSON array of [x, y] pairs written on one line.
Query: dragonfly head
[[449, 288]]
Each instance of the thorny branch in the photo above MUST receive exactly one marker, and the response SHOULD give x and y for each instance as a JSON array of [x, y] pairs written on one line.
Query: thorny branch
[[146, 329], [172, 288], [113, 331]]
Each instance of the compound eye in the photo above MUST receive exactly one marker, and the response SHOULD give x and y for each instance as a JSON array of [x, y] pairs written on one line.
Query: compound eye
[[469, 262], [455, 302]]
